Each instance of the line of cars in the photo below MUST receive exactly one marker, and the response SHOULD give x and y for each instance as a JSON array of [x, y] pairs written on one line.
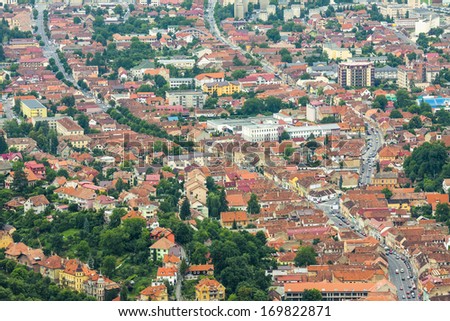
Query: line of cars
[[408, 281]]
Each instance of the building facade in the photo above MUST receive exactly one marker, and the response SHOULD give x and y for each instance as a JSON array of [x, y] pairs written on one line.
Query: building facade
[[356, 74]]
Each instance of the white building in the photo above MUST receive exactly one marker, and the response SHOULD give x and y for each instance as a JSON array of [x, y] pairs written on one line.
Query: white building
[[317, 130], [178, 63], [271, 132], [296, 10], [177, 82], [261, 133], [423, 26]]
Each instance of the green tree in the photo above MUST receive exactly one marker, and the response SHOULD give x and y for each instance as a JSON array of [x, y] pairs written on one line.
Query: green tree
[[311, 295], [415, 122], [253, 206], [396, 114], [387, 193], [77, 20], [443, 213], [185, 211], [284, 136], [109, 265], [380, 102], [306, 255], [3, 145], [238, 74], [59, 75], [303, 101], [273, 35], [20, 181], [428, 161]]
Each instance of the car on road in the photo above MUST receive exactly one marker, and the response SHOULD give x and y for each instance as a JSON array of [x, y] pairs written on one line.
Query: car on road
[[401, 288], [396, 271], [403, 296], [403, 271]]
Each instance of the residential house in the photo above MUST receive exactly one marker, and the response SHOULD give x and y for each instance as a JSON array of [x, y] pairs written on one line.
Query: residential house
[[209, 290], [36, 203], [154, 293], [239, 219], [195, 271], [161, 248]]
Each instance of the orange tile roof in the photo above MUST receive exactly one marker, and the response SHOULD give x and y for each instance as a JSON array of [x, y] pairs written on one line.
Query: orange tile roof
[[230, 217]]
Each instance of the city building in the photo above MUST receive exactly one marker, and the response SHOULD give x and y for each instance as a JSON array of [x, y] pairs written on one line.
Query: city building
[[386, 72], [335, 52], [187, 98], [66, 126], [356, 74], [335, 291], [154, 293], [32, 108], [209, 290], [178, 82], [222, 88]]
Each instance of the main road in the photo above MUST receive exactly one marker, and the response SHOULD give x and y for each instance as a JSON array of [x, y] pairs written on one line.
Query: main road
[[209, 17], [49, 47]]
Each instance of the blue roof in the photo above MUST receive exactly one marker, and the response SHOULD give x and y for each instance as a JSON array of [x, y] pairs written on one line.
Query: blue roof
[[435, 102]]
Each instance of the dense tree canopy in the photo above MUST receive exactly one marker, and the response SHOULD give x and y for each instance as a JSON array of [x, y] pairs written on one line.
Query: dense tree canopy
[[427, 166]]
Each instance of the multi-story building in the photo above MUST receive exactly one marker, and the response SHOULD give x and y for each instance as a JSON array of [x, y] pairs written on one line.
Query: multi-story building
[[356, 74], [335, 52], [387, 72], [178, 63], [334, 291], [66, 126], [209, 290], [222, 88], [178, 82], [154, 293], [186, 98], [405, 77], [32, 108], [271, 132], [205, 78], [51, 121]]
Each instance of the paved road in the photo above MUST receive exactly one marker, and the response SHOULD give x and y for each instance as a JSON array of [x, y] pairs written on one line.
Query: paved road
[[180, 278], [404, 281], [403, 37], [368, 159], [49, 47], [209, 17]]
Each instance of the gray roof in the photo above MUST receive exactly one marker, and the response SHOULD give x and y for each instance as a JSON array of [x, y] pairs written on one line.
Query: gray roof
[[33, 103]]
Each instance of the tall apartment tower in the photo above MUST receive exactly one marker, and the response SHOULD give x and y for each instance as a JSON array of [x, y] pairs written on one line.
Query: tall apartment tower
[[239, 9], [263, 4], [356, 74]]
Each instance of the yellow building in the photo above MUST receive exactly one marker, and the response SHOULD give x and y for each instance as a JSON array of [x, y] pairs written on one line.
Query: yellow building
[[154, 293], [385, 179], [335, 52], [78, 141], [32, 108], [209, 290], [5, 239], [74, 275], [222, 87]]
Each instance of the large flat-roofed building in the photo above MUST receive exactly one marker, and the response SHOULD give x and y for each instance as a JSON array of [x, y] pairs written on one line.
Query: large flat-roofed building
[[271, 132], [187, 98], [33, 108], [178, 82], [337, 291], [356, 74]]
